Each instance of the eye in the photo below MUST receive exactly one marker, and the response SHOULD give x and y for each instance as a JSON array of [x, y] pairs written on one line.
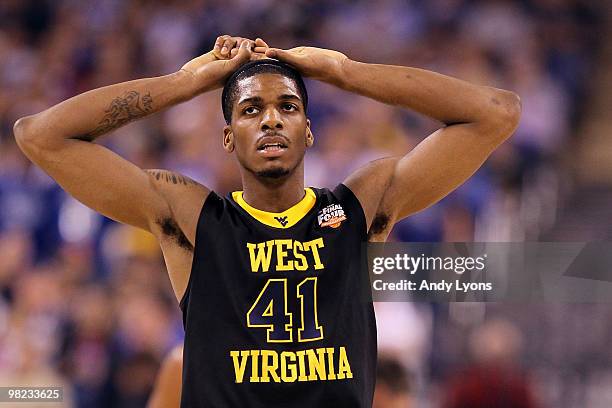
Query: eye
[[251, 110], [289, 107]]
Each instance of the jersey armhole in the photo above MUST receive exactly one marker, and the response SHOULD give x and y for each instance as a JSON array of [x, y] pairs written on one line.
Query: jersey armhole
[[208, 202], [348, 198]]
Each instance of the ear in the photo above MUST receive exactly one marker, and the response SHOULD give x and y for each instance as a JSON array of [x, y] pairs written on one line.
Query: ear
[[228, 139], [309, 135]]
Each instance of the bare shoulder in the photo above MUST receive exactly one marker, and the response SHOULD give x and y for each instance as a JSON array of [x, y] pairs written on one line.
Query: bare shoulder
[[175, 227], [184, 198], [369, 184]]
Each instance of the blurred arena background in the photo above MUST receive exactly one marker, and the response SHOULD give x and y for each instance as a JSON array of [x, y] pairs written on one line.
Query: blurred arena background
[[86, 303]]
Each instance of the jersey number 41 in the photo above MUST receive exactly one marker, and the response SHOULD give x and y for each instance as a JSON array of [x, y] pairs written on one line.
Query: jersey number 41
[[270, 311]]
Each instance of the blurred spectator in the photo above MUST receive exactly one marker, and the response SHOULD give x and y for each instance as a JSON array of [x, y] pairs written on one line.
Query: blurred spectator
[[494, 379], [393, 385]]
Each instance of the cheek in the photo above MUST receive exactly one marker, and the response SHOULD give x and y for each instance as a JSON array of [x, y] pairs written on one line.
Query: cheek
[[239, 147], [296, 126], [241, 136]]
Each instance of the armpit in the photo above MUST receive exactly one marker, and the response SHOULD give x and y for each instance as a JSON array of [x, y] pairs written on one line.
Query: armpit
[[170, 228], [380, 223]]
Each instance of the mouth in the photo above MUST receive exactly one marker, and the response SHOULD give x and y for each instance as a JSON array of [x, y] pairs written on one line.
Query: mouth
[[272, 147]]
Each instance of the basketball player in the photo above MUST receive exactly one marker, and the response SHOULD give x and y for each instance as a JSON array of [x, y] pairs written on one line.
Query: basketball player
[[270, 279]]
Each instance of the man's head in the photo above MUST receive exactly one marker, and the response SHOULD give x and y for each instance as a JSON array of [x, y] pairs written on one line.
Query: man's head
[[264, 106]]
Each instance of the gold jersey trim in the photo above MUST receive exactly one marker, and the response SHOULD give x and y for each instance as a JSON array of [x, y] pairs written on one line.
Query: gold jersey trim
[[285, 219]]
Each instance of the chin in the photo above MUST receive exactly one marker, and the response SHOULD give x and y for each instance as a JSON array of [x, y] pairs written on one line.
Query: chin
[[273, 173]]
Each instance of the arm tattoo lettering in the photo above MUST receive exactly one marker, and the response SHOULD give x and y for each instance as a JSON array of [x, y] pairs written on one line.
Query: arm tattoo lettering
[[122, 110], [170, 177]]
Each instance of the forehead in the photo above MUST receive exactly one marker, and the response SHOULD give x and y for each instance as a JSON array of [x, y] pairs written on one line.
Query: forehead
[[266, 86]]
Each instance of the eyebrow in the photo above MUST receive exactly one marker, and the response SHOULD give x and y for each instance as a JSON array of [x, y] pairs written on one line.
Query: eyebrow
[[252, 99], [258, 99], [286, 97]]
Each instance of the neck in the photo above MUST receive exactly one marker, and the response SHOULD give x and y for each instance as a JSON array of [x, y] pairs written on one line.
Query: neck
[[273, 195]]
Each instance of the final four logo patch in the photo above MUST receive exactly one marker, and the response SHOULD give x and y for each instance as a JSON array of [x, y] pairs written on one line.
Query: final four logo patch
[[331, 216]]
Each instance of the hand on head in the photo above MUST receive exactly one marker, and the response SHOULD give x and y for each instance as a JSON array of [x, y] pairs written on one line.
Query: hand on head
[[229, 53], [227, 47], [316, 63]]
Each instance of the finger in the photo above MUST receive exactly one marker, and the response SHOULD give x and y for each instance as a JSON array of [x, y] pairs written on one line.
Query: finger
[[241, 39], [260, 46], [226, 47], [228, 44], [257, 56], [221, 41], [218, 43], [280, 55], [243, 55], [250, 45], [261, 43], [217, 54]]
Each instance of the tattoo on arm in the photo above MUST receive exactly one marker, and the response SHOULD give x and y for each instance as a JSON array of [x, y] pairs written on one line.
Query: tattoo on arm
[[122, 110], [170, 177]]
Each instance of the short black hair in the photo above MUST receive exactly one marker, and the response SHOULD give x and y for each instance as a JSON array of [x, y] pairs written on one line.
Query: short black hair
[[262, 66]]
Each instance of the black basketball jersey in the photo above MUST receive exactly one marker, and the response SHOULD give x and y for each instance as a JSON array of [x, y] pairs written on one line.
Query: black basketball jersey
[[276, 312]]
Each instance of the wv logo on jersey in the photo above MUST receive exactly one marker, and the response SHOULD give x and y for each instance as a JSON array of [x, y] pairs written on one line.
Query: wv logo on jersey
[[282, 220], [331, 216]]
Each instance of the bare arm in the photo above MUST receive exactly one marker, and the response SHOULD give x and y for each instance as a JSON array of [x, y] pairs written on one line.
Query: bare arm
[[477, 119], [167, 390], [60, 139]]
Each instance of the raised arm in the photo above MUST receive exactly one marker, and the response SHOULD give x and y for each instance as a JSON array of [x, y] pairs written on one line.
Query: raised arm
[[476, 120], [60, 139]]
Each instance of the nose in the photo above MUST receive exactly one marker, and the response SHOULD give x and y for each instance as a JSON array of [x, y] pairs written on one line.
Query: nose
[[271, 120]]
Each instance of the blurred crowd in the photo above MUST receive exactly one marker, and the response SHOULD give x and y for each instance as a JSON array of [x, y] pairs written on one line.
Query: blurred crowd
[[86, 303]]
